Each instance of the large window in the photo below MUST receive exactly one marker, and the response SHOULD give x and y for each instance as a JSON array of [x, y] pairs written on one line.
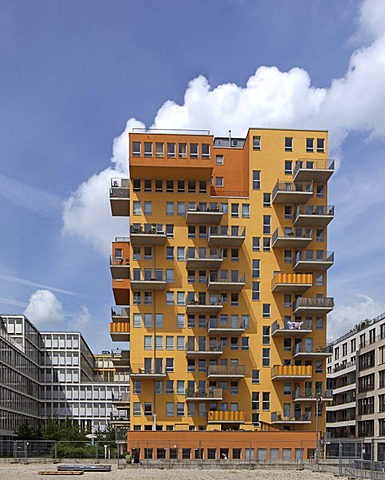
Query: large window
[[256, 180], [256, 142], [288, 144]]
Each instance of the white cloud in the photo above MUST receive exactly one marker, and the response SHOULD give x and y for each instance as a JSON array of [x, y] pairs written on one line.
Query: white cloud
[[354, 310], [44, 310], [271, 98], [80, 320]]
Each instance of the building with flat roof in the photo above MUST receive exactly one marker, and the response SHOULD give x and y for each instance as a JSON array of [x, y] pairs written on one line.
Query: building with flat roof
[[221, 283]]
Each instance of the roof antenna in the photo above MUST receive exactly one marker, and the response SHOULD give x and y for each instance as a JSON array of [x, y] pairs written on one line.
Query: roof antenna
[[229, 138]]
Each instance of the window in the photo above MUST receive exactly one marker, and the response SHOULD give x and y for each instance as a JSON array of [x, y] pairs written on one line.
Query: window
[[256, 142], [169, 343], [169, 253], [244, 343], [319, 279], [148, 208], [180, 321], [288, 144], [219, 160], [202, 186], [159, 320], [136, 253], [320, 191], [320, 144], [148, 299], [266, 335], [234, 254], [180, 409], [256, 268], [169, 365], [266, 224], [136, 149], [180, 341], [158, 388], [265, 401], [137, 320], [170, 275], [137, 411], [245, 210], [147, 253], [266, 357], [147, 185], [288, 167], [169, 409], [180, 298], [266, 244], [147, 342], [136, 185], [148, 320], [256, 244], [255, 377], [255, 291], [137, 387], [288, 211], [169, 186], [147, 149], [287, 344], [136, 208], [169, 208], [171, 150], [205, 150], [191, 231], [266, 310], [219, 181], [235, 210], [256, 180], [320, 235], [182, 150], [193, 150], [159, 149], [137, 298], [267, 200], [181, 188], [310, 144]]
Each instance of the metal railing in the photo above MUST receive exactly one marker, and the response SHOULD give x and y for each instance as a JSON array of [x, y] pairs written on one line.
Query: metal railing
[[313, 165], [313, 302]]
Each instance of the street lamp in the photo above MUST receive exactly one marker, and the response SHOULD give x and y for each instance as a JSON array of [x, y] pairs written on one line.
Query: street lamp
[[318, 403]]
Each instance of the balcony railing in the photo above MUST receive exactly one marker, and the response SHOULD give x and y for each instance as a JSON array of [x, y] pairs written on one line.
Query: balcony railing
[[222, 281], [204, 213], [282, 372], [226, 371], [297, 238], [208, 349], [291, 282], [215, 327], [204, 260], [147, 278], [312, 351], [120, 313], [223, 236], [291, 328], [316, 305], [219, 416], [313, 215], [147, 234], [286, 192], [120, 331], [148, 371], [119, 196], [313, 260], [211, 394], [312, 395], [280, 417], [313, 170]]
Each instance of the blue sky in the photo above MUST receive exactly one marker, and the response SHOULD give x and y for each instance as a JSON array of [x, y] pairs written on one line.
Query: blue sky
[[77, 75]]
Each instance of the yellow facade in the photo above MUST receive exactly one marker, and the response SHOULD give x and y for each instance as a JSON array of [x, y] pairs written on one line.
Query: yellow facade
[[222, 282]]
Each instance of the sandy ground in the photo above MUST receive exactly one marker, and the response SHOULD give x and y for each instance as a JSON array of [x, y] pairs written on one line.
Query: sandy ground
[[30, 472]]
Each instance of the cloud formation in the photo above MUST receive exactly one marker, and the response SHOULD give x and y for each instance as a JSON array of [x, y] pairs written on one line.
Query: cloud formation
[[44, 310]]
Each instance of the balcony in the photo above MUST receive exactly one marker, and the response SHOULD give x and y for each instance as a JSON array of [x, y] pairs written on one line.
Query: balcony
[[313, 305], [313, 216], [208, 395], [291, 372], [291, 329], [214, 327], [287, 192], [214, 416], [316, 261], [278, 418], [223, 372], [292, 238], [123, 402], [226, 236], [318, 171], [312, 395], [120, 331], [220, 281], [198, 307], [291, 282], [212, 261], [120, 197], [149, 280], [143, 372], [121, 291], [310, 352], [120, 314], [147, 234], [121, 360], [204, 214], [211, 349], [120, 268]]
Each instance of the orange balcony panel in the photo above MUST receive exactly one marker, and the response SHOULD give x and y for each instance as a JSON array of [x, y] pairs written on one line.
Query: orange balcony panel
[[292, 282], [120, 331], [215, 416], [121, 291], [290, 372]]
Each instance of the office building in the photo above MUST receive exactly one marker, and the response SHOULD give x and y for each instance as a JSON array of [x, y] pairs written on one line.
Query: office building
[[221, 283]]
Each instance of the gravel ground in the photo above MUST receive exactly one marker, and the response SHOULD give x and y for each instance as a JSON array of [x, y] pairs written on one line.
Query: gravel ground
[[30, 472]]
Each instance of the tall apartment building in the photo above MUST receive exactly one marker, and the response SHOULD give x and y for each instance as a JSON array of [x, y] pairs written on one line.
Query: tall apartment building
[[221, 286], [356, 373], [44, 374]]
